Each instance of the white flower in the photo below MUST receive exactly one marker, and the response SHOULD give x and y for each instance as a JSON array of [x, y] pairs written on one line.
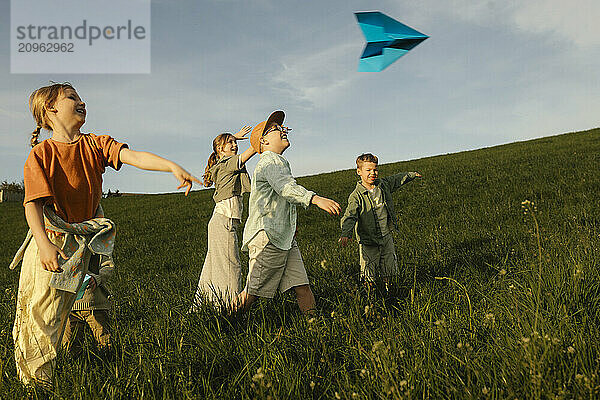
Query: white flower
[[259, 375], [377, 346]]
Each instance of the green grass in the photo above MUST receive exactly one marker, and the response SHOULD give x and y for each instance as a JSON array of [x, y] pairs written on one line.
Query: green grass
[[494, 327]]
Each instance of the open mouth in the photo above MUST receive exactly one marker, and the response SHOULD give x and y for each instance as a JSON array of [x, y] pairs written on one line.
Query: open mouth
[[80, 111]]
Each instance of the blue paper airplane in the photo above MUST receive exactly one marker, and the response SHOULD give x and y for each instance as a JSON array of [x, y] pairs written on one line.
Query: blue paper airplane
[[387, 40]]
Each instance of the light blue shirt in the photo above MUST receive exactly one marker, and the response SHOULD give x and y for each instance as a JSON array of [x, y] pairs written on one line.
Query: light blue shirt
[[274, 195]]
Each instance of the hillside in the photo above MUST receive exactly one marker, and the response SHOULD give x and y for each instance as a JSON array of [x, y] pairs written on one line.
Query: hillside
[[491, 327]]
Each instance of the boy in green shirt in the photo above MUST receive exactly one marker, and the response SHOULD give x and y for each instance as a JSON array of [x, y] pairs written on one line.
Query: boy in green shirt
[[370, 213]]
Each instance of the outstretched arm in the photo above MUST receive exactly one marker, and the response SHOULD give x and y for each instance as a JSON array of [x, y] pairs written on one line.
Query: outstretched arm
[[329, 206], [152, 162], [282, 181], [400, 179]]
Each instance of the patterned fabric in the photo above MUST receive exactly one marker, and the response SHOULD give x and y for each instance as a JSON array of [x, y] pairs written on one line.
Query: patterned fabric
[[97, 235], [273, 200], [99, 298], [43, 306]]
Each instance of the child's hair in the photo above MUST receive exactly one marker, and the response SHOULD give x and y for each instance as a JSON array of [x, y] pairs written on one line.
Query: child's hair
[[39, 101], [214, 157], [366, 157]]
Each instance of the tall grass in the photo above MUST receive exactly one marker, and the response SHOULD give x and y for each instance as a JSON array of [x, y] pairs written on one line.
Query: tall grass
[[514, 315]]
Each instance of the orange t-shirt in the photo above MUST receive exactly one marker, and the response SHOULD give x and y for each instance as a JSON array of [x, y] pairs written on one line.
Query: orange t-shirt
[[70, 174]]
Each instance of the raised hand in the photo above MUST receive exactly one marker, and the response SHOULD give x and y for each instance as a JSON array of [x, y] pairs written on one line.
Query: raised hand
[[241, 135]]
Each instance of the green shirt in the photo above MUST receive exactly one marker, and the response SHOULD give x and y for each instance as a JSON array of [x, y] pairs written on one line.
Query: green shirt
[[361, 216], [273, 198], [230, 177]]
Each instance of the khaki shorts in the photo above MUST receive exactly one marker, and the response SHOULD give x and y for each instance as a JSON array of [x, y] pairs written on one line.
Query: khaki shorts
[[272, 269], [378, 261]]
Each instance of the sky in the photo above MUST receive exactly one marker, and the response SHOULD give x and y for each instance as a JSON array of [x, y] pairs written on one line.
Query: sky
[[492, 72]]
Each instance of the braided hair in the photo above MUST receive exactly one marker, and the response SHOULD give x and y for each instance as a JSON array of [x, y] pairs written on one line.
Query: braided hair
[[39, 102]]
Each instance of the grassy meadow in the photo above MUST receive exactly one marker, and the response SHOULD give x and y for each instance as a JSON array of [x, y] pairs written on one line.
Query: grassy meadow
[[497, 299]]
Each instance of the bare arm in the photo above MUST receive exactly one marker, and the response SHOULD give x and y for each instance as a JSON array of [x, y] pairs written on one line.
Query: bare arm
[[34, 214], [152, 162], [246, 155], [241, 135]]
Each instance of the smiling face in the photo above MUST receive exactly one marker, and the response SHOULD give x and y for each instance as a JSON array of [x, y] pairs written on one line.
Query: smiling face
[[275, 139], [229, 148], [68, 110], [368, 173]]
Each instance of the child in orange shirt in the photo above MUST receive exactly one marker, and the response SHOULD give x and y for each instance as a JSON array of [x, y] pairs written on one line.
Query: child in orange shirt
[[63, 187]]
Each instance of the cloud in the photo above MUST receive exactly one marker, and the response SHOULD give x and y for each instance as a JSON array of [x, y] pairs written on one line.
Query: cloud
[[316, 79], [577, 21]]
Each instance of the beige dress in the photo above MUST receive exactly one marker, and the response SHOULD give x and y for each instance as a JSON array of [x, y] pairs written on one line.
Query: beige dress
[[221, 278], [41, 314]]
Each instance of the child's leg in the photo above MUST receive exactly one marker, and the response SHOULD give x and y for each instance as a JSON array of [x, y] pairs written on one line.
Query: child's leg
[[266, 266], [369, 262], [294, 276], [305, 298], [73, 336], [99, 322], [388, 264], [244, 301]]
